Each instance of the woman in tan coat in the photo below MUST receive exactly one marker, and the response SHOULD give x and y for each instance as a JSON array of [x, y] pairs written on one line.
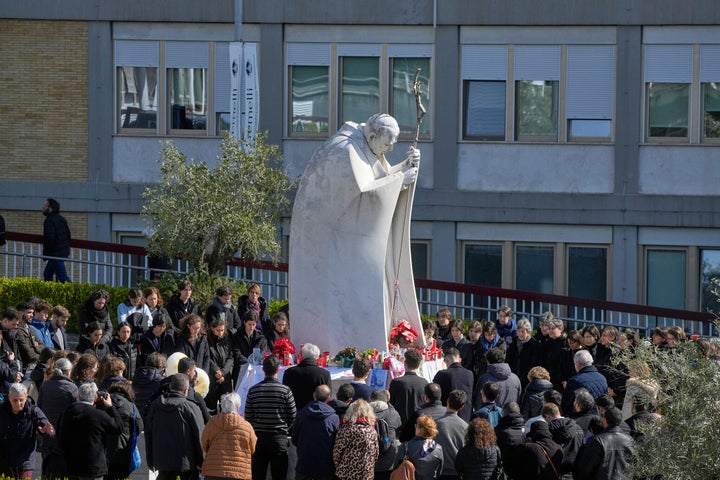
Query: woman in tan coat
[[229, 442]]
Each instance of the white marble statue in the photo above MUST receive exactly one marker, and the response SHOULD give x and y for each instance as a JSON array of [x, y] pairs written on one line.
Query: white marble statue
[[350, 271]]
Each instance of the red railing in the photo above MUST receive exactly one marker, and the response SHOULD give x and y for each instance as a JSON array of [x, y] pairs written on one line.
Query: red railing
[[120, 265]]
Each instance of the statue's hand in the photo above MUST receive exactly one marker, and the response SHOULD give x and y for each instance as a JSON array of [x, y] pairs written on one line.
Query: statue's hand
[[410, 175], [413, 157]]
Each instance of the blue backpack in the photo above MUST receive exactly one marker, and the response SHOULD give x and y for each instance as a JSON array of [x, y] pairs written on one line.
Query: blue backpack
[[491, 413]]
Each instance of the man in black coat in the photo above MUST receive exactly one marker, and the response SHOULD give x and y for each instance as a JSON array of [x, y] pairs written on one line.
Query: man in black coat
[[510, 433], [84, 429], [455, 377], [57, 393], [306, 376], [173, 433], [223, 308], [181, 304], [21, 423], [606, 455], [407, 393], [56, 242]]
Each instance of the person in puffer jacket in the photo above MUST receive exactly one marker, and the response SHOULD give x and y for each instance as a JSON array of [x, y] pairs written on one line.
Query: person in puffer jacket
[[499, 372], [147, 379], [385, 411], [229, 442], [424, 452]]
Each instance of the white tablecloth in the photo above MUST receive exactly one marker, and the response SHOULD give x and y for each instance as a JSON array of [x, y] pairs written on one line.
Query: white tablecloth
[[251, 374]]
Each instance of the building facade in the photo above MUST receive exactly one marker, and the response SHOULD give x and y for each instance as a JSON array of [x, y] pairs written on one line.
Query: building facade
[[568, 148]]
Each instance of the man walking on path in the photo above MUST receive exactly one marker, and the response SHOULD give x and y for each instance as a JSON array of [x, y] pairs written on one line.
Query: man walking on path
[[56, 242]]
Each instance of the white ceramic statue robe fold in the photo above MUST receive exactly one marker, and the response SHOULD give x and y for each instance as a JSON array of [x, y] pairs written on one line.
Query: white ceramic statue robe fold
[[350, 241]]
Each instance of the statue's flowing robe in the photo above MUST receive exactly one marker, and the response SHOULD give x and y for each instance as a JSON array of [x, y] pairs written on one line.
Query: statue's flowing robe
[[350, 271]]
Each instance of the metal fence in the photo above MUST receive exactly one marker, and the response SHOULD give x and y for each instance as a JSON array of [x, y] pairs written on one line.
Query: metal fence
[[122, 266]]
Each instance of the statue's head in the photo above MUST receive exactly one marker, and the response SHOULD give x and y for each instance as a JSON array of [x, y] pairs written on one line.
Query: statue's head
[[381, 132]]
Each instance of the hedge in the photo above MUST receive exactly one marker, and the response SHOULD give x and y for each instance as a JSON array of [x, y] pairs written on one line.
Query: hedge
[[70, 295]]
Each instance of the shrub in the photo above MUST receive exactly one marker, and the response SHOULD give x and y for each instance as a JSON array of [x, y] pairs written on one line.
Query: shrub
[[70, 295]]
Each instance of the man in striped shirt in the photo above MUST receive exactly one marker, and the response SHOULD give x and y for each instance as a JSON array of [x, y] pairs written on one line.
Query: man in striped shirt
[[270, 409]]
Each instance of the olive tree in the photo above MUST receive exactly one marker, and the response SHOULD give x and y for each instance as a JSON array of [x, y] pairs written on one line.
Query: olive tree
[[196, 212], [683, 443]]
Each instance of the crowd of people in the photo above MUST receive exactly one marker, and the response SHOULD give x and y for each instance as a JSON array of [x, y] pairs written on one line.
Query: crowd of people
[[509, 404]]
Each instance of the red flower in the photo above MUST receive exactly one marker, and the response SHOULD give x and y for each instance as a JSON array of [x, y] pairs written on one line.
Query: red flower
[[283, 346], [403, 332]]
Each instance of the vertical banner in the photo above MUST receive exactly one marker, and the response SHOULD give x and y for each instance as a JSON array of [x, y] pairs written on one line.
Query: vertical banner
[[244, 99]]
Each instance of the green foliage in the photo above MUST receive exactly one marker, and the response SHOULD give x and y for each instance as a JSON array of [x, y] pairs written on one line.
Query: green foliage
[[683, 444], [236, 207], [204, 286], [69, 295], [275, 305]]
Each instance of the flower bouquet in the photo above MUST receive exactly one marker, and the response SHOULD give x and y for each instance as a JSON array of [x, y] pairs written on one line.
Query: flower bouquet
[[284, 349], [402, 334], [346, 356]]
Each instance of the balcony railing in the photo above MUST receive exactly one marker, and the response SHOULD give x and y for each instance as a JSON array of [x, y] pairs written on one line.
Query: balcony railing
[[121, 265]]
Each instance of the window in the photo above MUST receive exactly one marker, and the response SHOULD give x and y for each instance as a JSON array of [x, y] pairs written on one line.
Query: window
[[668, 73], [590, 92], [330, 84], [138, 97], [587, 272], [536, 110], [310, 106], [223, 87], [711, 110], [187, 94], [668, 109], [537, 76], [420, 252], [402, 96], [136, 66], [483, 266], [484, 112], [534, 267], [665, 280], [588, 129], [484, 74], [710, 270], [530, 85], [185, 91], [360, 88]]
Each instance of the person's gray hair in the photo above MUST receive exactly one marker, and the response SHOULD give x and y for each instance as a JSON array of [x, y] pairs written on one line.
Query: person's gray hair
[[524, 324], [557, 323], [179, 383], [62, 365], [230, 403], [310, 351], [583, 358], [87, 392], [18, 389], [584, 400], [546, 317], [359, 409]]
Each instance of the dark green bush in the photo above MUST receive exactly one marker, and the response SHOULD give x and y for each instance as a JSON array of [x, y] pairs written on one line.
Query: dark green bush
[[69, 295]]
